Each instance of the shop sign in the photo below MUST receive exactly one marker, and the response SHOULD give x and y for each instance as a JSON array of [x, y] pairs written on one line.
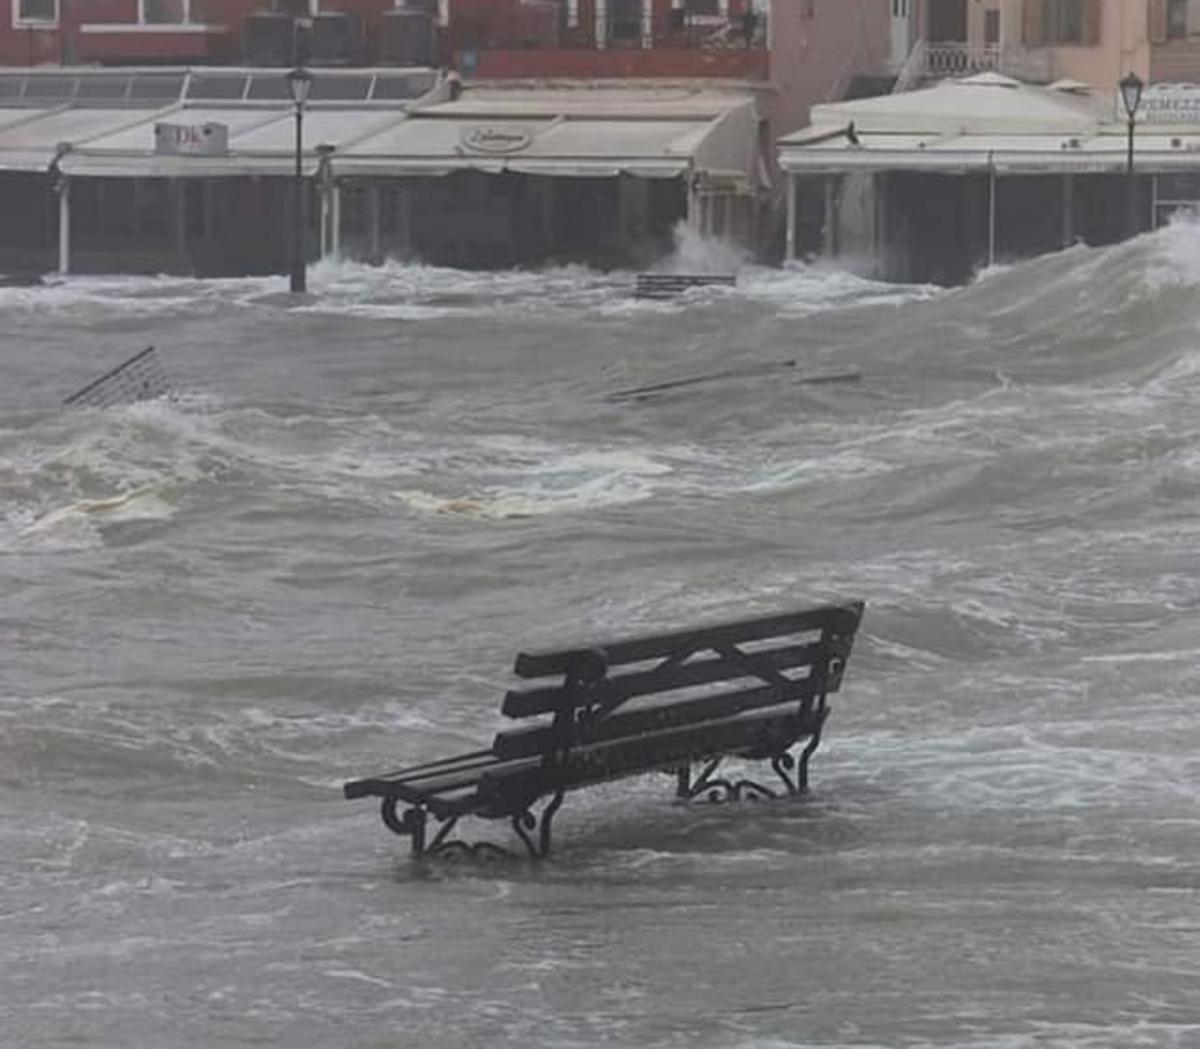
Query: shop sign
[[207, 140], [496, 139], [1167, 104]]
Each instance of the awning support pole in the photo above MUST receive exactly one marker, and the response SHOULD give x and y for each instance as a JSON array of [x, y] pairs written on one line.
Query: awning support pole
[[991, 212], [64, 225], [790, 253]]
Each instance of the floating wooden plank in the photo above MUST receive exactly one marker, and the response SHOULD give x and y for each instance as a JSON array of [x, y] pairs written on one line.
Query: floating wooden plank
[[642, 393], [140, 378]]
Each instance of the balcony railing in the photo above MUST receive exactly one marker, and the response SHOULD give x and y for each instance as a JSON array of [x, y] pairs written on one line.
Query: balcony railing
[[941, 61], [546, 27]]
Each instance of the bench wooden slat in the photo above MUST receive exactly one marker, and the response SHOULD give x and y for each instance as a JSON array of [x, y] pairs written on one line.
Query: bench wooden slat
[[766, 731], [470, 764], [838, 620], [520, 703], [665, 285], [526, 742]]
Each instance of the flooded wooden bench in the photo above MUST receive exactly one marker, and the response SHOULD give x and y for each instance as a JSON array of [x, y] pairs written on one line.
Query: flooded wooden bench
[[681, 703], [668, 285]]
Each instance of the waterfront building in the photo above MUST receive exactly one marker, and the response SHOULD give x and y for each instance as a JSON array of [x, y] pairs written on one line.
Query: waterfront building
[[570, 129], [1005, 137], [1093, 41]]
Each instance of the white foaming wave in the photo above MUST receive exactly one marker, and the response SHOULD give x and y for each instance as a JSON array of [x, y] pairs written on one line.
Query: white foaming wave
[[138, 295], [1054, 768], [696, 253], [417, 291], [1042, 1034], [1174, 253], [524, 478], [514, 505], [21, 530], [138, 504], [805, 288]]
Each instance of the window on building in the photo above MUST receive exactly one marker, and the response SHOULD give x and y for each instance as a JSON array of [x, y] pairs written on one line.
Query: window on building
[[703, 7], [165, 12], [1177, 19], [625, 19], [991, 26], [33, 11], [1062, 22]]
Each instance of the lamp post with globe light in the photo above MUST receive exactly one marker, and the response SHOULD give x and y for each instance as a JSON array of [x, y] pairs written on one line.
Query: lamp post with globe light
[[299, 82], [1131, 98]]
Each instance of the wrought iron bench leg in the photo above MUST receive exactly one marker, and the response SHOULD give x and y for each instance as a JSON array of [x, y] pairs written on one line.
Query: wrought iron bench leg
[[527, 821], [411, 826]]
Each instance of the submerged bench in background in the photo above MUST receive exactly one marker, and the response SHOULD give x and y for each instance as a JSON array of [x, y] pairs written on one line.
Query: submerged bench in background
[[681, 703], [668, 285]]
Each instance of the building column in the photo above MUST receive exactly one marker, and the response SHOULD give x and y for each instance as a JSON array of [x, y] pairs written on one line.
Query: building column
[[789, 254], [335, 230], [1068, 207], [601, 24], [401, 235], [991, 213], [882, 224], [177, 197], [64, 224], [647, 25], [374, 223], [829, 241]]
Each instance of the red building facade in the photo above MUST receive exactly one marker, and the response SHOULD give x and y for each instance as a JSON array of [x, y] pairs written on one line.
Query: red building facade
[[485, 38]]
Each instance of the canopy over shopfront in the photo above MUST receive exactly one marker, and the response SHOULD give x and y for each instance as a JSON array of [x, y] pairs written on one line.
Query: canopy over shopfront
[[102, 122], [987, 125], [60, 125], [404, 150], [581, 132], [522, 175]]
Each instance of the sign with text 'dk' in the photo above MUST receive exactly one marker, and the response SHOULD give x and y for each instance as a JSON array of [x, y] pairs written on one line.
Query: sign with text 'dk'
[[207, 140]]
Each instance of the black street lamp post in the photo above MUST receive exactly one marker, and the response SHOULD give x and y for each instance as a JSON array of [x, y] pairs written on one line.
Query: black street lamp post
[[299, 81], [1131, 97]]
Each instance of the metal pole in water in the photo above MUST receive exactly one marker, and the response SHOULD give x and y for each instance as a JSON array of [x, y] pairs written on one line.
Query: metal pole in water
[[299, 82], [991, 211]]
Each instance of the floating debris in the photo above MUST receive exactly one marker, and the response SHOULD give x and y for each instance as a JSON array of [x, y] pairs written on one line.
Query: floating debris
[[750, 372], [141, 378]]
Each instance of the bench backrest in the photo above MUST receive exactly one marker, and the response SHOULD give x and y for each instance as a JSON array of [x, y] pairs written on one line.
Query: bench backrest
[[665, 285], [706, 673]]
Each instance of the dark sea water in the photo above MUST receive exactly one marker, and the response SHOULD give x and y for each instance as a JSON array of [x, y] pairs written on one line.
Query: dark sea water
[[318, 562]]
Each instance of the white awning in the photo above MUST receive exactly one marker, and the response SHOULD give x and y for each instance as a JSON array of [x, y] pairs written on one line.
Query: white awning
[[32, 142], [261, 142], [576, 133], [1102, 153], [102, 122], [984, 123]]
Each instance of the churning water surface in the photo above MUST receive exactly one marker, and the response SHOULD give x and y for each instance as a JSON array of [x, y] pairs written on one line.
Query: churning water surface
[[318, 561]]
